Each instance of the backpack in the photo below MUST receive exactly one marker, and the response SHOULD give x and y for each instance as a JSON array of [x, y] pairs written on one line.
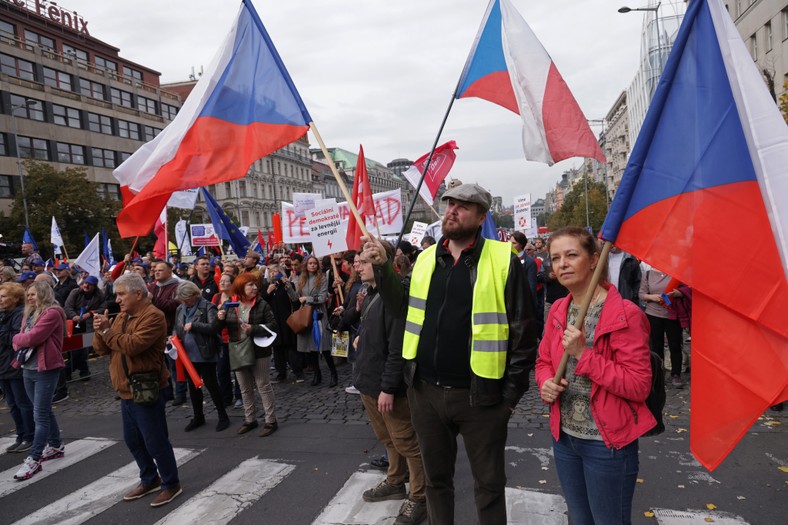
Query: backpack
[[656, 396]]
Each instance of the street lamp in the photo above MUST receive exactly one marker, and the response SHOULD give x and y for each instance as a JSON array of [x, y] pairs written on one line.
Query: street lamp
[[656, 20], [28, 103]]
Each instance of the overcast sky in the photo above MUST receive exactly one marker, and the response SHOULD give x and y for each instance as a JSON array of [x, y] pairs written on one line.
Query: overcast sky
[[381, 73]]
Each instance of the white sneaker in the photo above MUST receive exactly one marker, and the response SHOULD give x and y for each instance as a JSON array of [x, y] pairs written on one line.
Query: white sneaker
[[28, 469], [352, 390], [53, 453]]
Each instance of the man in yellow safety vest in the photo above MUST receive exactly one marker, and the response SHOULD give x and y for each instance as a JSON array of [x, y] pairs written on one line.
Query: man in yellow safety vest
[[469, 346]]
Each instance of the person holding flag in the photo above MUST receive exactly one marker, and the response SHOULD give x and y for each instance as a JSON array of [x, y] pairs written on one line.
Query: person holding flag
[[598, 411]]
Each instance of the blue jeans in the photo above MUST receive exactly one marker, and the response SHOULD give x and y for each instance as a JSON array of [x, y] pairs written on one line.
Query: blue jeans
[[20, 406], [145, 433], [40, 387], [180, 386], [598, 482]]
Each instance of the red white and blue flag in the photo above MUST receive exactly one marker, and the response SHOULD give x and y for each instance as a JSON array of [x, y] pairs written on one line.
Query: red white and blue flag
[[509, 67], [707, 175], [244, 107]]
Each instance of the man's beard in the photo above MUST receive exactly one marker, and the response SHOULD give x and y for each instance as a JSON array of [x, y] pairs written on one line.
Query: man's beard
[[457, 232]]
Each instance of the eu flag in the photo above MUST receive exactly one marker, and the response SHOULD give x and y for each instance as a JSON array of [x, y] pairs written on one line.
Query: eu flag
[[224, 227]]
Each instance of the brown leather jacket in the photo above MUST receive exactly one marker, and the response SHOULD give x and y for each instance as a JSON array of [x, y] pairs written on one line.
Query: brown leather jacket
[[141, 338]]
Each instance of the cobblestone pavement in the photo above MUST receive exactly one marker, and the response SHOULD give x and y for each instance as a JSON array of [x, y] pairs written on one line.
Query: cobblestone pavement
[[323, 405]]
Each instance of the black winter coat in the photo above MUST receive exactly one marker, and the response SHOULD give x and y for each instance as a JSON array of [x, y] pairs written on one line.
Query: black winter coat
[[205, 328], [10, 324]]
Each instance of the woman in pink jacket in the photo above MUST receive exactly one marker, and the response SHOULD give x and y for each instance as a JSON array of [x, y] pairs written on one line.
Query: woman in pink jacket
[[43, 327], [597, 412]]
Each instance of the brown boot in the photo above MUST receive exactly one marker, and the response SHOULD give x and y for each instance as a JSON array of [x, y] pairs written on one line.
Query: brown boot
[[166, 495], [142, 490]]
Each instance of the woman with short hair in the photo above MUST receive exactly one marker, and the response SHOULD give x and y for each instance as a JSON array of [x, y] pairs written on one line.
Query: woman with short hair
[[197, 326], [43, 329]]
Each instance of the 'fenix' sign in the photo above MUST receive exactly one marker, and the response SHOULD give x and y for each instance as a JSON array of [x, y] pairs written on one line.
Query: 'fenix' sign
[[55, 13]]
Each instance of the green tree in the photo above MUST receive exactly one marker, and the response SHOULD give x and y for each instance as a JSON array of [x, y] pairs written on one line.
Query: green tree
[[68, 196], [503, 221], [573, 210], [783, 100]]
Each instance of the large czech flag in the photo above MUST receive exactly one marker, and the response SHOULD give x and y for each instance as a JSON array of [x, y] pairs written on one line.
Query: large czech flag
[[509, 67], [244, 107], [704, 198]]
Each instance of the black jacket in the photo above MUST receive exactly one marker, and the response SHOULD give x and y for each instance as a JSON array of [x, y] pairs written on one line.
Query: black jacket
[[205, 327], [282, 306], [10, 324], [63, 289], [628, 284], [445, 342], [379, 364]]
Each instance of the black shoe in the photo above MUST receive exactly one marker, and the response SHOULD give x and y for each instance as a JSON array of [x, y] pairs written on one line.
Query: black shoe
[[223, 424], [178, 401], [59, 397], [280, 378], [197, 422], [316, 378], [334, 379]]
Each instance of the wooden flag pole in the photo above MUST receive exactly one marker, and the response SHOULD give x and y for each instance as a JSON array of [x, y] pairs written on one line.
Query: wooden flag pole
[[581, 316], [339, 288], [350, 203], [64, 251]]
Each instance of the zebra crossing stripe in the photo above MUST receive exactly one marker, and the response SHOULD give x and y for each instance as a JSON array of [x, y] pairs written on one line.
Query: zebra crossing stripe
[[347, 506], [529, 507], [5, 443], [76, 451], [691, 517], [226, 497], [93, 499]]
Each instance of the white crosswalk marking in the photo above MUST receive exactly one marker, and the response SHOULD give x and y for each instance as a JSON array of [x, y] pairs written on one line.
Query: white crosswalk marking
[[691, 517], [93, 499], [528, 507], [76, 451], [347, 507], [226, 497], [5, 443]]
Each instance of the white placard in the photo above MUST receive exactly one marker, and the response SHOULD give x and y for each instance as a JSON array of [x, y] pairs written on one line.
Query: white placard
[[305, 201], [417, 233], [327, 230], [388, 207], [522, 212]]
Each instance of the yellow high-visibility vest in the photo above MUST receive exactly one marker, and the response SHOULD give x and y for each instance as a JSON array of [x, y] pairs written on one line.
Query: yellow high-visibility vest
[[490, 327]]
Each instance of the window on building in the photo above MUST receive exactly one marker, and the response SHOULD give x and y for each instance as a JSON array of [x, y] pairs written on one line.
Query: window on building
[[30, 148], [120, 97], [769, 37], [7, 29], [106, 64], [148, 105], [70, 153], [6, 187], [76, 54], [65, 116], [102, 158], [122, 156], [168, 111], [242, 188], [150, 133], [754, 46], [108, 191], [100, 123], [16, 67], [58, 79], [32, 37], [132, 73], [3, 145], [785, 24], [212, 189], [228, 190], [21, 109], [128, 130], [244, 218], [91, 89]]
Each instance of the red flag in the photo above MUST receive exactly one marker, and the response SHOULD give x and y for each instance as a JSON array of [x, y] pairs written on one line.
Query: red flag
[[366, 207], [440, 165], [277, 220], [260, 241], [353, 236]]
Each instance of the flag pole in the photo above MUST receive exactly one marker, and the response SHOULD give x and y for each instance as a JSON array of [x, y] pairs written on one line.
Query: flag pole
[[581, 316], [350, 203], [339, 288], [427, 167], [64, 251]]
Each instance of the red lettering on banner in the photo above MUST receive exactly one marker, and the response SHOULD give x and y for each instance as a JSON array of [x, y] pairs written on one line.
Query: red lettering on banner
[[392, 209]]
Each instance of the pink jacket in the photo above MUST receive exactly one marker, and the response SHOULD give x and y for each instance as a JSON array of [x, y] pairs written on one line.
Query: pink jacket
[[47, 334], [618, 365]]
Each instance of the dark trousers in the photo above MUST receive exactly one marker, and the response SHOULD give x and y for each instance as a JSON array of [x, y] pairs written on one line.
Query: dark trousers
[[224, 376], [284, 354], [145, 433], [314, 361], [180, 386], [207, 371], [439, 414], [62, 387], [672, 328], [20, 406]]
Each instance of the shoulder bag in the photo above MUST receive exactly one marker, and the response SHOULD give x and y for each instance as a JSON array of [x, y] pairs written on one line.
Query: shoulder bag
[[144, 386], [301, 320]]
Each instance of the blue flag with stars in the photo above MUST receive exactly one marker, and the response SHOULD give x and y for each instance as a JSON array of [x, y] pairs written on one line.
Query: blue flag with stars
[[224, 227]]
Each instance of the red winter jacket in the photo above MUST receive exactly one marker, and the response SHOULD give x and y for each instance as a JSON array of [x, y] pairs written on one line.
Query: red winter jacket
[[46, 335], [619, 366]]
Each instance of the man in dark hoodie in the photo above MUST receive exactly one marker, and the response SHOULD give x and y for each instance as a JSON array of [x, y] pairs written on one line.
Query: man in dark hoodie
[[162, 295]]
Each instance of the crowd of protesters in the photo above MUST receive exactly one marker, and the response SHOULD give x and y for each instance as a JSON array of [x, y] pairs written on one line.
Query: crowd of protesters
[[393, 303]]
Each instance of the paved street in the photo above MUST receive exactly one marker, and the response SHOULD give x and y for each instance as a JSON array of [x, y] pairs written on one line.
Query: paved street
[[315, 467]]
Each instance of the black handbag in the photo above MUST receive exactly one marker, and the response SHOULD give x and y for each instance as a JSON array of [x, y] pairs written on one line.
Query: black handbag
[[144, 385]]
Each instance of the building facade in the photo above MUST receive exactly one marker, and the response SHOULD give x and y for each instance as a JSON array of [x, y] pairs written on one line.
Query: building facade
[[70, 99], [617, 145]]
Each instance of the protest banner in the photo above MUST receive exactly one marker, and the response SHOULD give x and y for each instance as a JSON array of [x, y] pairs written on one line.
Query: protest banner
[[204, 235], [305, 201], [522, 212], [417, 233], [326, 230]]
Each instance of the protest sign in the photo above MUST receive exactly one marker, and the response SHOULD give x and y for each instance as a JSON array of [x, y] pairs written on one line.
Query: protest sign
[[204, 235], [417, 233], [305, 201], [326, 230], [522, 212]]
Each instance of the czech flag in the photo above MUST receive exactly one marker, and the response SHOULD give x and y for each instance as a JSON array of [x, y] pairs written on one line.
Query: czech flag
[[244, 107], [509, 67], [710, 170]]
